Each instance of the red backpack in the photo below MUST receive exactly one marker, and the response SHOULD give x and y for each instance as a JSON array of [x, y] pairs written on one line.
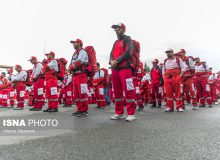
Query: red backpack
[[61, 68], [135, 57], [28, 81], [106, 78], [92, 67]]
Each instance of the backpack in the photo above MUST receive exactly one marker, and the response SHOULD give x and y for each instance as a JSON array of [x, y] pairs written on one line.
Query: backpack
[[106, 78], [177, 60], [28, 81], [92, 67], [135, 56], [61, 68]]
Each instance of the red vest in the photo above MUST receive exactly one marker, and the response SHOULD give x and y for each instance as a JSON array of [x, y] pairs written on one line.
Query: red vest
[[118, 50]]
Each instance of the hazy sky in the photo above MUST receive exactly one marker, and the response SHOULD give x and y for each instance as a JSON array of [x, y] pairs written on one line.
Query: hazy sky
[[27, 26]]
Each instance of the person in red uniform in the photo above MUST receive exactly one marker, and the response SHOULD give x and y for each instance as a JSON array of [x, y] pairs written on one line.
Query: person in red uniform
[[78, 68], [98, 83], [68, 90], [212, 79], [49, 71], [19, 82], [120, 58], [187, 80], [200, 81], [38, 84], [145, 82], [4, 89], [156, 82], [173, 71]]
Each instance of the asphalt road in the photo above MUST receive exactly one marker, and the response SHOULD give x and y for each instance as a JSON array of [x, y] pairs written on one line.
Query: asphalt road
[[155, 135]]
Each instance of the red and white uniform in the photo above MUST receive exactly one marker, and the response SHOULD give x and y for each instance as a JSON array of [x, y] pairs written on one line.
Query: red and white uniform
[[146, 89], [213, 87], [80, 79], [38, 85], [50, 69], [19, 80], [172, 81], [122, 80], [68, 90], [157, 90], [98, 81], [4, 92], [187, 81], [200, 81]]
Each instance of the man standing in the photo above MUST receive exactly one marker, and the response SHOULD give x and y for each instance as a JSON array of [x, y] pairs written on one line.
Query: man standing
[[156, 82], [50, 69], [187, 80], [173, 71], [202, 87], [38, 84], [4, 89], [120, 61], [98, 82], [20, 86], [78, 68]]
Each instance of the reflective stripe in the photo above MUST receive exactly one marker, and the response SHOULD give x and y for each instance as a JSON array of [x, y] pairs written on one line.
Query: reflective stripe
[[20, 101], [100, 100], [119, 99], [130, 100], [52, 100], [170, 99], [83, 100], [40, 100], [179, 99], [209, 98]]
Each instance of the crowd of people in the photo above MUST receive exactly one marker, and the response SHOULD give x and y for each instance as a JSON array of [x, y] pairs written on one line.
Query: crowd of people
[[179, 78]]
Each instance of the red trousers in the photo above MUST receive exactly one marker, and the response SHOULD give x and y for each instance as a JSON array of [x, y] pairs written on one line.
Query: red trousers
[[5, 97], [213, 92], [80, 91], [189, 90], [20, 89], [203, 90], [172, 85], [39, 93], [122, 81], [69, 94], [157, 91], [138, 96], [51, 92], [99, 94]]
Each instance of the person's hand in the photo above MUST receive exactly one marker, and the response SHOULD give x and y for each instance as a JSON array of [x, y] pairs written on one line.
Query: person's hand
[[113, 63]]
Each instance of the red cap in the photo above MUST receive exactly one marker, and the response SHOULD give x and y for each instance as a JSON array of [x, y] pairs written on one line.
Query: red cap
[[32, 58], [119, 25], [182, 51], [78, 41], [17, 66], [51, 53], [169, 50]]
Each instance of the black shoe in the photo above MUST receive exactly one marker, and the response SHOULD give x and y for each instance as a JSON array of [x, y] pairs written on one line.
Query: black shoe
[[75, 113], [46, 110], [36, 109], [159, 106], [82, 114], [31, 109], [140, 109], [153, 106], [202, 106], [53, 110], [210, 106], [66, 105]]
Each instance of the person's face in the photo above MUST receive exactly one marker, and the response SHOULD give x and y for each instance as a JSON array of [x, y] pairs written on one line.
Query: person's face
[[170, 54], [197, 60], [33, 61], [75, 45], [119, 32]]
